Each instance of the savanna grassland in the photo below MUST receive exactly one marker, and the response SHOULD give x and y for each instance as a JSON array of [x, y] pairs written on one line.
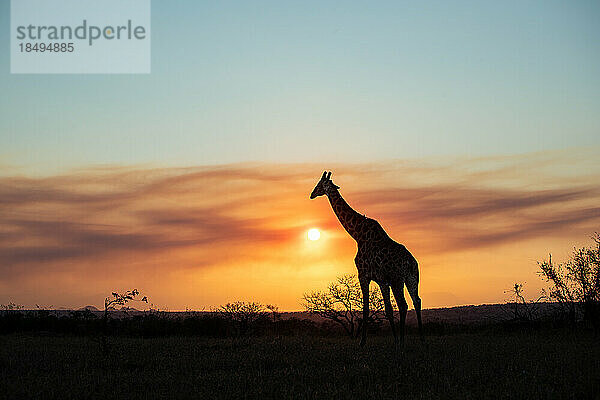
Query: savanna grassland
[[540, 364]]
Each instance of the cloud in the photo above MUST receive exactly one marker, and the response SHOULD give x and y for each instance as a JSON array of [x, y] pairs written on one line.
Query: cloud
[[469, 217], [92, 215], [210, 217]]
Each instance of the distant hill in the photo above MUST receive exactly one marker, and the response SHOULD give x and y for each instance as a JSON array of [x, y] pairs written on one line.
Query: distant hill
[[460, 315], [89, 308], [129, 309]]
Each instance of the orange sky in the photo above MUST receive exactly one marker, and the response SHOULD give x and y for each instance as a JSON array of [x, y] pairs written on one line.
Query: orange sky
[[200, 237]]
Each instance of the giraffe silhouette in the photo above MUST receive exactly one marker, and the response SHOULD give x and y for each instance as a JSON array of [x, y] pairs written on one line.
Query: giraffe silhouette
[[379, 258]]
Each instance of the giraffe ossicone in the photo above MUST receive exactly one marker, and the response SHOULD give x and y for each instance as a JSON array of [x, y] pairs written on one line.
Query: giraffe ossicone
[[379, 258]]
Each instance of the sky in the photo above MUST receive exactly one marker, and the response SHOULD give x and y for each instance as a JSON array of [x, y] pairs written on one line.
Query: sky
[[470, 130]]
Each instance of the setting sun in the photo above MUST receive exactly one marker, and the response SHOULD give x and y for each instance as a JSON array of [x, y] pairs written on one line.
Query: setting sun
[[313, 234]]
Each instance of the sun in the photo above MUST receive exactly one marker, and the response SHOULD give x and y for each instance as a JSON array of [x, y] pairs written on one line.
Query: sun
[[313, 234]]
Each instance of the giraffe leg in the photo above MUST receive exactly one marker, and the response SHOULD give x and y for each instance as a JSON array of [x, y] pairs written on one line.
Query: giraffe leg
[[413, 289], [364, 285], [389, 311], [398, 290]]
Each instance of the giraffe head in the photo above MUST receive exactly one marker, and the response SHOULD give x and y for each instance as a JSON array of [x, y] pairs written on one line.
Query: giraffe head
[[323, 186]]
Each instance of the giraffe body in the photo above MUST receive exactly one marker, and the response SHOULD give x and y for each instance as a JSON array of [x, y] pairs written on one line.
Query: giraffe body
[[379, 258], [385, 262]]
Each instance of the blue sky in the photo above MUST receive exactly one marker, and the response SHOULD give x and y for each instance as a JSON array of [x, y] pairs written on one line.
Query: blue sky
[[319, 81]]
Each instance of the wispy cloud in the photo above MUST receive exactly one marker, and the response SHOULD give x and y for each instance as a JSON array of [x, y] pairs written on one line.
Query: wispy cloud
[[216, 216]]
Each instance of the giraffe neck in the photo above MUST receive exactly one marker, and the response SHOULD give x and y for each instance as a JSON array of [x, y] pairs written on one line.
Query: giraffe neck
[[350, 219]]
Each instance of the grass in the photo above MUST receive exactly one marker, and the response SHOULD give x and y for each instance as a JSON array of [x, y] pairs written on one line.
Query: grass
[[543, 364]]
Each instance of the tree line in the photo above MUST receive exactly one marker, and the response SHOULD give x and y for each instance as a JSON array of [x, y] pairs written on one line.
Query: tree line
[[573, 288]]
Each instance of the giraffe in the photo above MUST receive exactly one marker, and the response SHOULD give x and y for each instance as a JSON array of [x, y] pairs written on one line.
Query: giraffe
[[379, 258]]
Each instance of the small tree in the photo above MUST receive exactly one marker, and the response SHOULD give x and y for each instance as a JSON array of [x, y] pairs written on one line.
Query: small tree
[[342, 303], [575, 284], [117, 299], [120, 299], [242, 315], [274, 311], [521, 309]]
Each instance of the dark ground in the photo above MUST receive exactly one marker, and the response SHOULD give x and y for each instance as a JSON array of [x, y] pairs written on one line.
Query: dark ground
[[540, 364]]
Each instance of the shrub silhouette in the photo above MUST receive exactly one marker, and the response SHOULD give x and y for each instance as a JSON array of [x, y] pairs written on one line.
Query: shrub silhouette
[[342, 303], [109, 303], [575, 284], [243, 316], [518, 309]]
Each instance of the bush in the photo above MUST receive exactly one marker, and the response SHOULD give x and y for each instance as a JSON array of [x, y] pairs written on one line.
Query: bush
[[243, 316], [575, 284], [342, 303]]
